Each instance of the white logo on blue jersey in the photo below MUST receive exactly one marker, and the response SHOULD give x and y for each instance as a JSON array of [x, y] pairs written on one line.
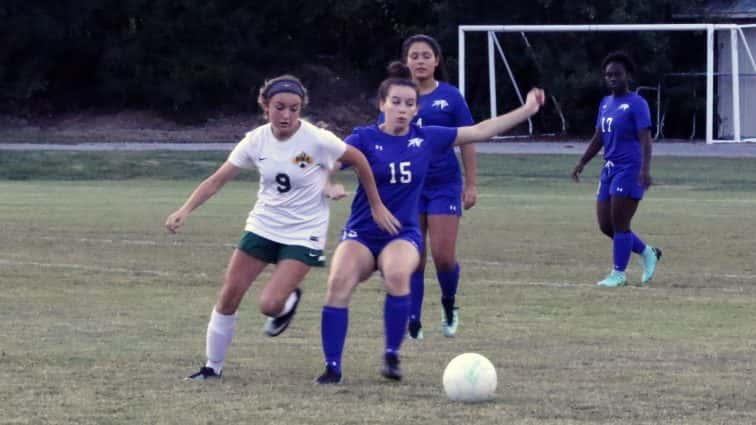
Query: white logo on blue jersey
[[624, 107], [378, 147], [415, 142], [440, 104]]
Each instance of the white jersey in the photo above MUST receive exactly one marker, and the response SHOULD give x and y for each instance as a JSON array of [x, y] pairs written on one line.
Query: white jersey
[[291, 208]]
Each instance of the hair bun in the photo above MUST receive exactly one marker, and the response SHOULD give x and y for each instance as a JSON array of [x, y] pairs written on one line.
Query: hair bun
[[397, 69]]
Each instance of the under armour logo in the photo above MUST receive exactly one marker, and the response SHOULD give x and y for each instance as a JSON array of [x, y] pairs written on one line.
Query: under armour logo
[[620, 189], [624, 107], [415, 142], [262, 158], [378, 147]]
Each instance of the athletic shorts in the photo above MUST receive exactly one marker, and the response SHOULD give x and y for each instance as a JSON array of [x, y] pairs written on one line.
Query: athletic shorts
[[272, 252], [443, 200], [375, 243], [619, 180]]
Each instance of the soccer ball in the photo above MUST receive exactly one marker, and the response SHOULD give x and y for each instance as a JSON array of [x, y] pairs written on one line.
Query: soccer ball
[[470, 377]]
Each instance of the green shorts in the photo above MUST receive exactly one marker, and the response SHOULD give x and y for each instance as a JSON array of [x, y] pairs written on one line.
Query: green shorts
[[271, 252]]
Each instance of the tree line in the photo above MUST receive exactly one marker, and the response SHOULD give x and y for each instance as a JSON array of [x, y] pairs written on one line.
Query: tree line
[[189, 57]]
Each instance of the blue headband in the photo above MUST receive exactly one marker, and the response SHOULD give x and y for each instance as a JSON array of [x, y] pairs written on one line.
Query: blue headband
[[284, 86]]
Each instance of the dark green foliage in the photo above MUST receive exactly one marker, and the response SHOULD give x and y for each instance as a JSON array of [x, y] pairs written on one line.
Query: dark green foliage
[[189, 57]]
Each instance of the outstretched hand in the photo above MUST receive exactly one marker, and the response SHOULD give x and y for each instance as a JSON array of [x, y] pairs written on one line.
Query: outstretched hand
[[386, 220], [536, 98], [175, 220]]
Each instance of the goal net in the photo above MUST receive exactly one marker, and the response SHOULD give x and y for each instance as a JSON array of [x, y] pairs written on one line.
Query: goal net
[[708, 95]]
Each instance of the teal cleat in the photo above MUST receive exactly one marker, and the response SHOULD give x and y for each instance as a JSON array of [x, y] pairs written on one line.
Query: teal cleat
[[651, 257], [615, 279]]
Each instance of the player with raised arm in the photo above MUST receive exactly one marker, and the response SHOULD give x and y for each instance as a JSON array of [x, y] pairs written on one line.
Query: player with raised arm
[[399, 154]]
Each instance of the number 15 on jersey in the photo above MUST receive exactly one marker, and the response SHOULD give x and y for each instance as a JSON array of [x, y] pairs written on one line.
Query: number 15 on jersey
[[405, 174]]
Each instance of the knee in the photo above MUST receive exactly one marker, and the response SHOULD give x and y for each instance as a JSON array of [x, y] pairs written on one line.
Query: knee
[[446, 263], [397, 283], [339, 290], [444, 258], [270, 306]]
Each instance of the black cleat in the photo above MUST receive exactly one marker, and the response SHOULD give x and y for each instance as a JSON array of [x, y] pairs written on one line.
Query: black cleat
[[276, 325], [391, 369], [204, 374], [415, 329], [329, 377]]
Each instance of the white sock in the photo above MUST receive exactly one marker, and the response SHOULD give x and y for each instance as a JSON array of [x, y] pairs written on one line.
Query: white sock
[[220, 332], [289, 303]]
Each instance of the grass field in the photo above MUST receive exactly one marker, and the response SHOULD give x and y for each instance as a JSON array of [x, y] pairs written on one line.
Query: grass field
[[103, 312]]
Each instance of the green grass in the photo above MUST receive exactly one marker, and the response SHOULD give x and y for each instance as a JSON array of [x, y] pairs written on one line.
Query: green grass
[[103, 312]]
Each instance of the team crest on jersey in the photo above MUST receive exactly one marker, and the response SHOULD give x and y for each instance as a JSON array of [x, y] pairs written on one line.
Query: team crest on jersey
[[414, 142], [624, 107], [303, 160], [440, 104]]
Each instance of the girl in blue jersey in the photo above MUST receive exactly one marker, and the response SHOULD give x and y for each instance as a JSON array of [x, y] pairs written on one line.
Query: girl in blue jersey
[[443, 195], [399, 154], [623, 129]]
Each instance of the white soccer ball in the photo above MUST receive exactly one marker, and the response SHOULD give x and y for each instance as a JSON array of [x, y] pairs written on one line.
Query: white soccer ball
[[470, 377]]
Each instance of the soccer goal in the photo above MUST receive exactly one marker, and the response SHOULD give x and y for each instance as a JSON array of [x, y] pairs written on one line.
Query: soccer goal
[[723, 107]]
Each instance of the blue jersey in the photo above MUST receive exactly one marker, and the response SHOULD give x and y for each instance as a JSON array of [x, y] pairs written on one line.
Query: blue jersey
[[619, 120], [446, 107], [400, 165]]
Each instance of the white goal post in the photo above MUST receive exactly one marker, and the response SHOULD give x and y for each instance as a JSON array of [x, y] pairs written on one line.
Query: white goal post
[[735, 31]]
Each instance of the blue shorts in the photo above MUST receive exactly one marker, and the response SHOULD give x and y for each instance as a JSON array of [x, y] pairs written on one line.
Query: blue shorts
[[619, 180], [441, 200], [376, 242]]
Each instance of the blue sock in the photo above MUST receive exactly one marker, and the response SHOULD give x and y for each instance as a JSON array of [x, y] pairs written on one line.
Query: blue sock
[[638, 245], [395, 315], [417, 292], [448, 281], [623, 245], [333, 330]]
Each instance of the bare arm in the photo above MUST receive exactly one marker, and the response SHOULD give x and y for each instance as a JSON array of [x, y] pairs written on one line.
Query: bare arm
[[382, 216], [485, 130], [594, 146], [470, 164], [644, 136], [209, 187]]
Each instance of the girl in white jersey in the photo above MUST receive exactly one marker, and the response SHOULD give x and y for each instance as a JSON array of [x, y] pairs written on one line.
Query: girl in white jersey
[[289, 221]]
